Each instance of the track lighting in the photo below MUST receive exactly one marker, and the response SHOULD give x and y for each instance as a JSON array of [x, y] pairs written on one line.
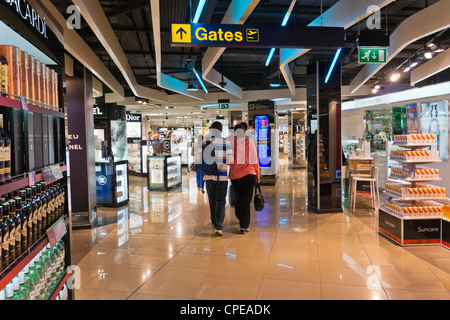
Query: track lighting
[[395, 76], [428, 54]]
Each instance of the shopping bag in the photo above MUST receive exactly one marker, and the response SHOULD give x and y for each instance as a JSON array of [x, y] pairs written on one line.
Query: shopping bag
[[259, 199]]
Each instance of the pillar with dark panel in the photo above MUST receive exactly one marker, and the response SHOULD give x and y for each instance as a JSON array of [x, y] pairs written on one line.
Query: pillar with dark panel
[[80, 116], [324, 141]]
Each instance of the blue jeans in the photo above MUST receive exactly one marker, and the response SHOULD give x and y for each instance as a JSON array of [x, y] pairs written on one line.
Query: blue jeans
[[217, 194], [200, 182]]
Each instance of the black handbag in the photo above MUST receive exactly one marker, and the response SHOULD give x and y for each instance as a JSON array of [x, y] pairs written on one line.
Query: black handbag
[[259, 199]]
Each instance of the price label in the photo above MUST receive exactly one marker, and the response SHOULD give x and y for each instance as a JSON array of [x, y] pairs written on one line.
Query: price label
[[57, 173], [57, 231], [47, 174], [31, 178], [23, 100]]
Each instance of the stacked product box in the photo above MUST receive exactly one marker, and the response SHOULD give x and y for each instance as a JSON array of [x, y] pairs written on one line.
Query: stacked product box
[[419, 209]]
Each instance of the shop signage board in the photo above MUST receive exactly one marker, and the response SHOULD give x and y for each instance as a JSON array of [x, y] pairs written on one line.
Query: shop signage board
[[372, 55], [255, 36], [261, 106]]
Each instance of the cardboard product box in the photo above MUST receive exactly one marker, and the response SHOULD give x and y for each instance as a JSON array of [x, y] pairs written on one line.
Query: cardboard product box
[[49, 88], [31, 78], [51, 141], [45, 149], [60, 140], [29, 142], [38, 81], [14, 129], [24, 73], [38, 142], [43, 78], [12, 55]]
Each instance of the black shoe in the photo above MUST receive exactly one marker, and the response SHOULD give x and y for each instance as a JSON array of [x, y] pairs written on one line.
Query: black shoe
[[243, 230]]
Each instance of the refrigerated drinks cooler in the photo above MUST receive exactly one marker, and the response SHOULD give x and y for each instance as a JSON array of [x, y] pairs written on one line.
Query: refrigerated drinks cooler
[[112, 183]]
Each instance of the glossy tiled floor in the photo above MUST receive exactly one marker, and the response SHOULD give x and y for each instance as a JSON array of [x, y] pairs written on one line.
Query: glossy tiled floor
[[162, 246]]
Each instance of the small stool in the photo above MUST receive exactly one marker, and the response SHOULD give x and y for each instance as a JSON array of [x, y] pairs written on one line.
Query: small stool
[[373, 179]]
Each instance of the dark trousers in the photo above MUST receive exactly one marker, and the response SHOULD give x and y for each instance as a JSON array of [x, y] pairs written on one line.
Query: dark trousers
[[217, 194], [243, 188]]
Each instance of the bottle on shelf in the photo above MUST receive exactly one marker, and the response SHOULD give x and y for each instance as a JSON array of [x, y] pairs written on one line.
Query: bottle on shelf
[[35, 279], [6, 153], [24, 288], [3, 295], [44, 208], [29, 283], [37, 211], [17, 232], [9, 292], [4, 241], [40, 292], [12, 235], [17, 292], [23, 222], [4, 75], [27, 209]]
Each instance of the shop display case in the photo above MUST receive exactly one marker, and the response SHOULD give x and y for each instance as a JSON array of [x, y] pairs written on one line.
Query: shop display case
[[112, 183], [134, 155], [164, 172], [300, 153], [34, 171], [412, 213]]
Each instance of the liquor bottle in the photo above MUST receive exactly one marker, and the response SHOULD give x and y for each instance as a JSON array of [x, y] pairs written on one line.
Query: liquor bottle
[[29, 283], [9, 292], [6, 153], [63, 199], [44, 208], [46, 264], [4, 76], [12, 232], [37, 211], [53, 213], [60, 204], [38, 81], [24, 222], [17, 222], [12, 55], [31, 78], [17, 293], [24, 289], [24, 73], [35, 278], [3, 295], [4, 231], [41, 273], [27, 209]]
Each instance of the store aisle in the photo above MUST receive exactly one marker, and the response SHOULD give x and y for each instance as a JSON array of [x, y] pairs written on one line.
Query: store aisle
[[162, 246]]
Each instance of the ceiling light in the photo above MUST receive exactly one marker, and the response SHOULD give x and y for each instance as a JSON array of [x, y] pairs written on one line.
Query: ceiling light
[[395, 76], [374, 90], [199, 11], [192, 87], [407, 69], [428, 55], [439, 50], [432, 46], [275, 85], [414, 64], [378, 87], [336, 56]]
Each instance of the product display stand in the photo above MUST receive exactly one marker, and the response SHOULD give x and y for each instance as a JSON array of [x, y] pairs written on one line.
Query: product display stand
[[411, 215]]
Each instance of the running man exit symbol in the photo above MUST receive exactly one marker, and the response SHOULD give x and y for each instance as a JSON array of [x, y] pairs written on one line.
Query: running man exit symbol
[[372, 55], [252, 35]]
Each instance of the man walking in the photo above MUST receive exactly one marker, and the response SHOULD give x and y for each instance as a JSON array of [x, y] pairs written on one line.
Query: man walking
[[215, 155]]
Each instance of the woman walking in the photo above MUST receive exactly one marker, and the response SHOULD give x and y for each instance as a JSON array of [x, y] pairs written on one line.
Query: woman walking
[[244, 174], [198, 172]]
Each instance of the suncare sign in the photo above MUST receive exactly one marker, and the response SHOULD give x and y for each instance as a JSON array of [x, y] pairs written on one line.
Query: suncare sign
[[256, 36], [23, 8]]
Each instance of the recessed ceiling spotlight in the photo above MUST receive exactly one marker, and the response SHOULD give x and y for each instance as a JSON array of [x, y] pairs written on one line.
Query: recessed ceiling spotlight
[[395, 76], [428, 55], [414, 64]]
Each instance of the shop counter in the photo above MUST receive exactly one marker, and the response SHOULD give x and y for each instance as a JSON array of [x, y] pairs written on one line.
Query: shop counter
[[112, 183], [164, 172]]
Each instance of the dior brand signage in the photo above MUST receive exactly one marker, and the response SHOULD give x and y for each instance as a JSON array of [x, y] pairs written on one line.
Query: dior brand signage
[[24, 9]]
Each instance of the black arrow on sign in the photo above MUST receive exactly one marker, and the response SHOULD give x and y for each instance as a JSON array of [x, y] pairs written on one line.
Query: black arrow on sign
[[180, 31]]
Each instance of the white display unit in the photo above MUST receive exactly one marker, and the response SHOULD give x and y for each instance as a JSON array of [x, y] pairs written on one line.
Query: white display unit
[[410, 216]]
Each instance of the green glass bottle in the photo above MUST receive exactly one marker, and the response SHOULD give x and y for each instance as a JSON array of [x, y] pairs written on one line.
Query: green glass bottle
[[17, 292], [41, 273], [35, 279], [24, 291], [4, 233], [2, 295], [29, 283]]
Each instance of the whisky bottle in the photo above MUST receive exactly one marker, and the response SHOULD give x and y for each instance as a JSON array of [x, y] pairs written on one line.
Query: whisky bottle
[[36, 208], [6, 152], [51, 193], [44, 208], [27, 208], [4, 230], [4, 76], [23, 221], [12, 235], [17, 222]]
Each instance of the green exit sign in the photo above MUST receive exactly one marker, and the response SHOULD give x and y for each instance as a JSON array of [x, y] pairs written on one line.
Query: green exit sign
[[224, 106], [372, 55]]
